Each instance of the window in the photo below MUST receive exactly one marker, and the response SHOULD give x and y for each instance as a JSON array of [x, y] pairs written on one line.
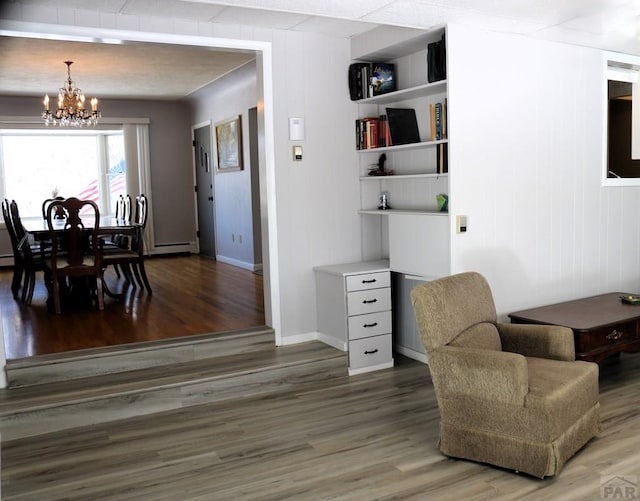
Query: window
[[37, 164], [622, 137]]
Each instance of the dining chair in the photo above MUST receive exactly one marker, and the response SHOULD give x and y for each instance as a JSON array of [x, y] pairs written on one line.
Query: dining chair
[[18, 265], [45, 206], [29, 258], [129, 258], [76, 255]]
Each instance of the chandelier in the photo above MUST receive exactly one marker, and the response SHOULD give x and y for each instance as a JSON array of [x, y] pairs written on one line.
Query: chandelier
[[71, 110]]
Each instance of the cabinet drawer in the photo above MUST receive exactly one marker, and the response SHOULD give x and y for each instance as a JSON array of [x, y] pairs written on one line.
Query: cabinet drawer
[[606, 336], [369, 301], [368, 281], [370, 351], [372, 324]]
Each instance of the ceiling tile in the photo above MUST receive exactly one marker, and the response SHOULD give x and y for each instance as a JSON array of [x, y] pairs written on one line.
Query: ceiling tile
[[112, 6], [172, 9], [262, 18], [344, 9]]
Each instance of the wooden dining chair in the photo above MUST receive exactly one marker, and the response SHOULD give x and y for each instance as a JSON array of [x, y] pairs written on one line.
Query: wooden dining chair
[[29, 257], [76, 255], [18, 265], [129, 258], [45, 206]]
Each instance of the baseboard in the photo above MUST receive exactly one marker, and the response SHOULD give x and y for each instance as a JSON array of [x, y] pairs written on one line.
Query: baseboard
[[174, 248], [237, 262], [299, 338], [409, 353]]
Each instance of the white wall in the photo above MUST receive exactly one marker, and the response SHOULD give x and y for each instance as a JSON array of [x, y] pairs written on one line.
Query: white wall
[[526, 125]]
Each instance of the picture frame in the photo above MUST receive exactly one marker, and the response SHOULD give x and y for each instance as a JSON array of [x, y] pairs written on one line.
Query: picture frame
[[229, 144]]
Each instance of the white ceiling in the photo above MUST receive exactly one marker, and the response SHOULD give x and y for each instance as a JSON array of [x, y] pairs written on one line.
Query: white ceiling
[[32, 67]]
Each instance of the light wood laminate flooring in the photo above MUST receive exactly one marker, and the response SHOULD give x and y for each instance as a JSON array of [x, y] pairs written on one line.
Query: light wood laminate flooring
[[320, 435], [191, 295]]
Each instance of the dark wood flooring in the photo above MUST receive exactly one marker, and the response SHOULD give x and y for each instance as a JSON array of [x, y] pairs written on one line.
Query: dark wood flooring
[[191, 295]]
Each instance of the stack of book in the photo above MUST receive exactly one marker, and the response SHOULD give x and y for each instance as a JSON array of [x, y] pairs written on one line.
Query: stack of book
[[372, 132]]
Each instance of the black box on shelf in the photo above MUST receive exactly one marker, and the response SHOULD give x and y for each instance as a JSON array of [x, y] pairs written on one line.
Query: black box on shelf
[[436, 61]]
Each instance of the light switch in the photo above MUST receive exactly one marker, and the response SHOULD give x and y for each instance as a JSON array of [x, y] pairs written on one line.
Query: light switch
[[297, 153], [461, 224]]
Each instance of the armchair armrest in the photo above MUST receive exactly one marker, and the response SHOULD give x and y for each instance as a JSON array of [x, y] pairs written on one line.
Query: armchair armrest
[[476, 373], [543, 341]]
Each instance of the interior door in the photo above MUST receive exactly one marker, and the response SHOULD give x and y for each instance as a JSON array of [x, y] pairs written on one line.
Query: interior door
[[204, 190]]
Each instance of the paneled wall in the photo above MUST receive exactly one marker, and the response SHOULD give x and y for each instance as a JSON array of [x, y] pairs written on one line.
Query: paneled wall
[[526, 126]]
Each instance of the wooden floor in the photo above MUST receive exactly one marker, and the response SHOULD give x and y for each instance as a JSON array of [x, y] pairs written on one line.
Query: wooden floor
[[318, 435], [191, 295]]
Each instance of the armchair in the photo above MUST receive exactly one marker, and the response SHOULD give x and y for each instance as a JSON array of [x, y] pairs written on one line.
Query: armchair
[[509, 395]]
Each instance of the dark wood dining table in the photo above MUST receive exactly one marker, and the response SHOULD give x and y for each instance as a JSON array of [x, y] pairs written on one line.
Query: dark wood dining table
[[108, 224], [39, 230]]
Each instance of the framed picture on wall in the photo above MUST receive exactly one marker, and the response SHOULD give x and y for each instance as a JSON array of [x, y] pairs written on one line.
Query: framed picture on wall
[[229, 144]]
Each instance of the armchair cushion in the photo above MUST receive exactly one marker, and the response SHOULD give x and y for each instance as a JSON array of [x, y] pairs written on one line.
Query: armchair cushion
[[545, 341], [484, 335], [470, 373]]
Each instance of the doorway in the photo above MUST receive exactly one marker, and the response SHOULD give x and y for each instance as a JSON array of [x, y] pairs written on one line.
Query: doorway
[[205, 199], [265, 120]]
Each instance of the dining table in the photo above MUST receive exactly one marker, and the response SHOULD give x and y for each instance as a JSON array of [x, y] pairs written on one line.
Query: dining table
[[38, 229]]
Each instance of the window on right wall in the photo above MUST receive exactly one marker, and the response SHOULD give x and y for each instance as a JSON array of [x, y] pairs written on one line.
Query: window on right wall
[[622, 136]]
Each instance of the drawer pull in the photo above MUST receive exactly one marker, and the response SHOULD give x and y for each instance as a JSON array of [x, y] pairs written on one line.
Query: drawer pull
[[371, 352], [614, 335], [369, 301], [369, 325], [372, 281]]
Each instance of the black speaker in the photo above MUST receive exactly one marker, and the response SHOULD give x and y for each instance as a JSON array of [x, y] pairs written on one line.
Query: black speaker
[[436, 61]]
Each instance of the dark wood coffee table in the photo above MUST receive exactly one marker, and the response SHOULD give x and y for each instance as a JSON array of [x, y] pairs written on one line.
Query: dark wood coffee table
[[602, 325]]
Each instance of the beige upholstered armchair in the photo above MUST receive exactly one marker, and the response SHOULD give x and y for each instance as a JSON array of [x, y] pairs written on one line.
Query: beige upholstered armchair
[[509, 395]]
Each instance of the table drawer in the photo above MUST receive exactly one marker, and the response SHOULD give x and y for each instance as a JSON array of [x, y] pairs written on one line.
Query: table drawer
[[606, 336], [370, 351], [372, 324], [369, 301], [368, 281]]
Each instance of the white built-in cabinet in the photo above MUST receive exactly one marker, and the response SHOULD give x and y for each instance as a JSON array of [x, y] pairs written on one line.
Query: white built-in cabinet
[[414, 234], [358, 309]]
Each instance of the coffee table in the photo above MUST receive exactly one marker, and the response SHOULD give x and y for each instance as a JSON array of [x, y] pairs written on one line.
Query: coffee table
[[602, 325]]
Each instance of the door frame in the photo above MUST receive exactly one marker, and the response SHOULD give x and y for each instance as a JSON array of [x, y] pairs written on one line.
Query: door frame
[[264, 67], [195, 181]]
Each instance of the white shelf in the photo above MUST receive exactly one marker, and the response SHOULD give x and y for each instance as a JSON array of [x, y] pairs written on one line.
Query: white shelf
[[413, 212], [403, 176], [408, 146], [410, 93]]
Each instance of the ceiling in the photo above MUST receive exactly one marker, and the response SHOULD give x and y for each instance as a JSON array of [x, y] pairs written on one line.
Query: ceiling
[[33, 67]]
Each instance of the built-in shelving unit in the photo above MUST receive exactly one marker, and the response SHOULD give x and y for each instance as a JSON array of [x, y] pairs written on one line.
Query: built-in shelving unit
[[418, 173]]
